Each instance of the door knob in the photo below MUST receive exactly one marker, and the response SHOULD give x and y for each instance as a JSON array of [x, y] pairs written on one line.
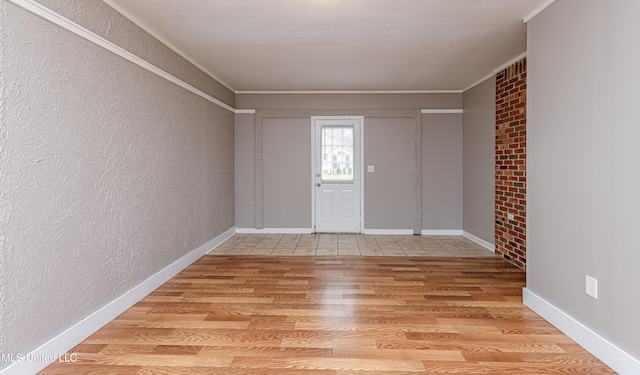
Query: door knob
[[318, 184]]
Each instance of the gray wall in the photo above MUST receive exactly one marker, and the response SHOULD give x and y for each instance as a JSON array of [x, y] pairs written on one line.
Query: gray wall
[[478, 160], [287, 173], [121, 31], [583, 155], [244, 164], [442, 171], [388, 191], [109, 174], [348, 101]]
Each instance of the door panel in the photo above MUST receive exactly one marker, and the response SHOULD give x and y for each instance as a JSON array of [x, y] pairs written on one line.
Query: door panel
[[326, 213], [337, 175], [347, 204]]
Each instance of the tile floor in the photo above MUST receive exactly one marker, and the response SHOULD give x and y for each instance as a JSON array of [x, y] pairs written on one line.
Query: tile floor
[[352, 245]]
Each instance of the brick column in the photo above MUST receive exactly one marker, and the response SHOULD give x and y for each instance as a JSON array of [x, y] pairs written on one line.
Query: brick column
[[511, 158]]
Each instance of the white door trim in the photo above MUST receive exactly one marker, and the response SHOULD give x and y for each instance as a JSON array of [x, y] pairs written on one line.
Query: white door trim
[[314, 152]]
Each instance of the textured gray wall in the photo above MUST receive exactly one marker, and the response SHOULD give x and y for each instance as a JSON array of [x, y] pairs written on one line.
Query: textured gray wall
[[441, 171], [388, 193], [4, 204], [116, 28], [287, 173], [478, 161], [109, 174], [582, 146]]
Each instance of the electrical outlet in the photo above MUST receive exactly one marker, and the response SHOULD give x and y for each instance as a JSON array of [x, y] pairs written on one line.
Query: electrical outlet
[[371, 168], [591, 286], [511, 216]]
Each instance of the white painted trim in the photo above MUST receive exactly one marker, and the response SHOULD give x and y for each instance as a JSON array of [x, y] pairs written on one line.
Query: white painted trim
[[479, 82], [395, 232], [446, 110], [49, 15], [77, 333], [351, 92], [510, 62], [274, 231], [313, 171], [162, 40], [487, 245], [616, 358], [538, 10], [441, 232], [362, 173], [217, 241], [244, 111], [497, 70]]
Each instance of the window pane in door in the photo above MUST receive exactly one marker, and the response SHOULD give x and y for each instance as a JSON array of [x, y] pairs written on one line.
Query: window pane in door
[[337, 153]]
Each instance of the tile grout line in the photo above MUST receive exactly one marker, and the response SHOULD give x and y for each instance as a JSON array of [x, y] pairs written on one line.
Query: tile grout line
[[354, 245]]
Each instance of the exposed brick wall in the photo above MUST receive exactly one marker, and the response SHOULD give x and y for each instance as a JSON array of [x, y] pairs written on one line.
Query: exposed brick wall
[[511, 163]]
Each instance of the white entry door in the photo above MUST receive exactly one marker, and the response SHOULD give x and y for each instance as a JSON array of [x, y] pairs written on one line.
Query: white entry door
[[337, 175]]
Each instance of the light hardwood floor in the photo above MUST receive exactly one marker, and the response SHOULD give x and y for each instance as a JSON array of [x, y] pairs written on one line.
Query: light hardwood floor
[[337, 315]]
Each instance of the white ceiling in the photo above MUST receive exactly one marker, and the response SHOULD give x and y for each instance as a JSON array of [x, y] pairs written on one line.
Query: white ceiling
[[339, 45]]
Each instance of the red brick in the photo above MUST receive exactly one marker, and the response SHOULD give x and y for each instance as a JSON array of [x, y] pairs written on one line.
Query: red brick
[[510, 156]]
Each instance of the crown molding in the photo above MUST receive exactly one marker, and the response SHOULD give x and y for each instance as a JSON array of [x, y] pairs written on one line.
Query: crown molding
[[244, 111], [510, 62], [497, 70], [56, 19], [479, 81], [45, 13], [349, 92], [538, 10], [164, 41], [440, 111]]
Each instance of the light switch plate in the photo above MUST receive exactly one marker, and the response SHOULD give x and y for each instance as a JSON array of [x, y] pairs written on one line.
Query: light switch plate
[[371, 168]]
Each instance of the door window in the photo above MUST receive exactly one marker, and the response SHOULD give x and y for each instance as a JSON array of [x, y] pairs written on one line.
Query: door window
[[337, 153]]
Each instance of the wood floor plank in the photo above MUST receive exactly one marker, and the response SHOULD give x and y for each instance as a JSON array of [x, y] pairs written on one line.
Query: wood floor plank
[[91, 369], [333, 315]]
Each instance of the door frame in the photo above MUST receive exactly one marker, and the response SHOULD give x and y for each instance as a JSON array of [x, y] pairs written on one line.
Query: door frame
[[359, 170]]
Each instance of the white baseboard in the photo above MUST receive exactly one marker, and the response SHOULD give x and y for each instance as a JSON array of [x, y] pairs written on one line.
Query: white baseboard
[[479, 241], [211, 245], [425, 232], [53, 349], [309, 231], [395, 232], [274, 230], [614, 357], [441, 232]]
